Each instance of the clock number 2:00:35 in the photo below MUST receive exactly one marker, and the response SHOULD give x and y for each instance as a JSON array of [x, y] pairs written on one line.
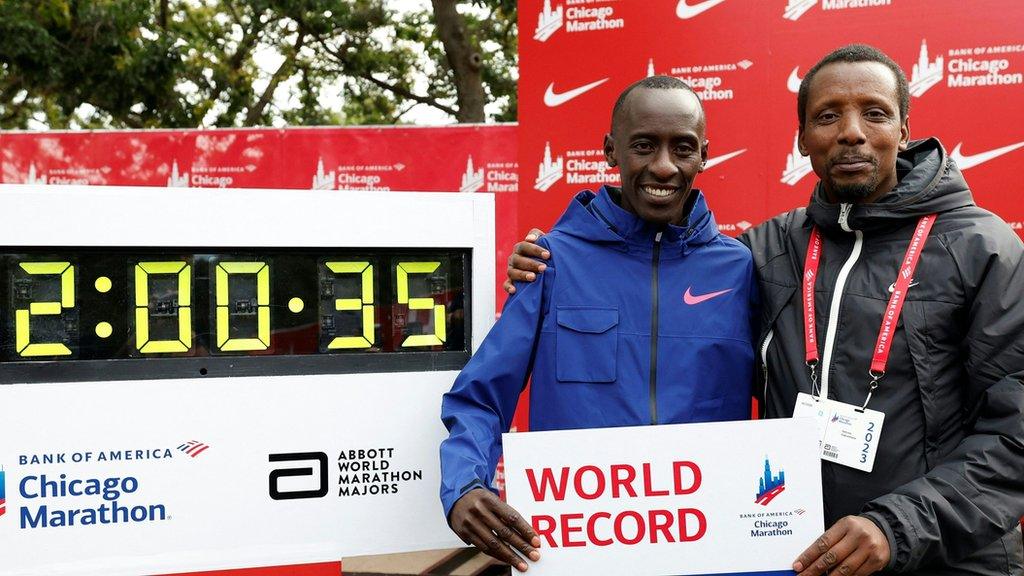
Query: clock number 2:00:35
[[144, 271]]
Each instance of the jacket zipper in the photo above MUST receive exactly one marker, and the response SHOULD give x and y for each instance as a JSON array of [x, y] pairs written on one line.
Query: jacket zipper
[[654, 328], [837, 296], [764, 366]]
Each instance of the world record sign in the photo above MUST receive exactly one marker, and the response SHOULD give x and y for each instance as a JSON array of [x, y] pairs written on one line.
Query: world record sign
[[709, 498]]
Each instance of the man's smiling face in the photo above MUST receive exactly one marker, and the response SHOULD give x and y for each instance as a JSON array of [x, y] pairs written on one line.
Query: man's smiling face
[[852, 130], [657, 141]]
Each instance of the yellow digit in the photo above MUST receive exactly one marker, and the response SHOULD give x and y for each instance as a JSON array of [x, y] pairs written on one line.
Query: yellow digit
[[262, 340], [23, 317], [440, 333], [142, 341], [364, 303]]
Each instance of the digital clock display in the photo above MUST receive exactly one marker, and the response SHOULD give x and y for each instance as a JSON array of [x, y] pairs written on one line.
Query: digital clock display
[[206, 309]]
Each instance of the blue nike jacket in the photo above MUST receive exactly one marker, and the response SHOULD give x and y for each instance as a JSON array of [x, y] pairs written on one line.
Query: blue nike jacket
[[627, 326]]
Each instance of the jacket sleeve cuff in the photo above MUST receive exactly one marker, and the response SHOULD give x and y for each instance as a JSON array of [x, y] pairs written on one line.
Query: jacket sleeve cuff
[[449, 500], [889, 535]]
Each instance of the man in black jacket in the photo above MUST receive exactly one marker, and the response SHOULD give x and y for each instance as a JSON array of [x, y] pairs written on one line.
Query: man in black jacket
[[915, 294]]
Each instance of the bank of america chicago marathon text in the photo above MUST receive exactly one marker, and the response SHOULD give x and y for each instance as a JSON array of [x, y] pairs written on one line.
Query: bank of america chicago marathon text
[[38, 489], [367, 472]]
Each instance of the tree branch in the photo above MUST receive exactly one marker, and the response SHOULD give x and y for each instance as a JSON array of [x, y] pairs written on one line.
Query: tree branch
[[256, 110]]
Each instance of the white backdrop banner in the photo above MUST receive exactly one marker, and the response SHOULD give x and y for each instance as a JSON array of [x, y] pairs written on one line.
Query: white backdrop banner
[[717, 498], [182, 475]]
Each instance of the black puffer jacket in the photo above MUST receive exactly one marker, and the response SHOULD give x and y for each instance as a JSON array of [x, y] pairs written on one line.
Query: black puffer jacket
[[948, 481]]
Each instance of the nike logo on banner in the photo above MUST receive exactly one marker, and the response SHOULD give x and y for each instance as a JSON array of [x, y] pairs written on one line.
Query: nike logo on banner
[[793, 83], [968, 162], [694, 300], [551, 99], [685, 10], [712, 162]]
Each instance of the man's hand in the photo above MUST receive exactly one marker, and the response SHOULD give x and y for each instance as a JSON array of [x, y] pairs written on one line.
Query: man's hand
[[853, 546], [522, 265], [480, 518]]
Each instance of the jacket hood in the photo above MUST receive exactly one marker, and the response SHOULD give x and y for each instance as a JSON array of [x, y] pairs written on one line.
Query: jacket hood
[[599, 218], [929, 182]]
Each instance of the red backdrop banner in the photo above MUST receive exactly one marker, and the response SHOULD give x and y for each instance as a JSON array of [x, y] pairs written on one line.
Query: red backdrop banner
[[965, 62]]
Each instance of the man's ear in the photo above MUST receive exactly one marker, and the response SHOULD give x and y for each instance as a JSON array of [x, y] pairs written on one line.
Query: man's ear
[[703, 155], [609, 150], [800, 142], [905, 134]]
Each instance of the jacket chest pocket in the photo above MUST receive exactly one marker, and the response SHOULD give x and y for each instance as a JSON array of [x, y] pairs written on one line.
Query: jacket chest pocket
[[586, 343]]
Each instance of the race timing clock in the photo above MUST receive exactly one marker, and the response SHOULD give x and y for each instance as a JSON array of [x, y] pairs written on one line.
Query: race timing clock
[[137, 283]]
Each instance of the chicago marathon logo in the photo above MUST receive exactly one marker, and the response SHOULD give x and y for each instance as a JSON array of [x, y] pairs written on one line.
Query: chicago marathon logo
[[770, 486], [575, 18], [796, 8], [586, 166], [491, 177], [711, 81], [797, 165], [549, 171], [966, 67]]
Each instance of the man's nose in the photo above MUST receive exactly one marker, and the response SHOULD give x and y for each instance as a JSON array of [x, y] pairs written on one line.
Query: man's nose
[[662, 166], [851, 130]]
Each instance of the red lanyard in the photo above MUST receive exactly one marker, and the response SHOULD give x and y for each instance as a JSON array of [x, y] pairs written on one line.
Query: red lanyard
[[893, 309]]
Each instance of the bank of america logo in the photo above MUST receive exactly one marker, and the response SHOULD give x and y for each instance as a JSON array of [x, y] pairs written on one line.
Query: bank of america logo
[[323, 180], [3, 496], [193, 448], [797, 8], [770, 485], [925, 73], [472, 180], [549, 171], [797, 165], [548, 23]]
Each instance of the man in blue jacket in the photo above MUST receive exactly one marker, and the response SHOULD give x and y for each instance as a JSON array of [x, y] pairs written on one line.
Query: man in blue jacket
[[643, 317]]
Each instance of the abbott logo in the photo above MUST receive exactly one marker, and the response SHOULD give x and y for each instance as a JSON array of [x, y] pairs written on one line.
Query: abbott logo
[[925, 73], [549, 171], [472, 180], [797, 8], [319, 472], [548, 23], [797, 165]]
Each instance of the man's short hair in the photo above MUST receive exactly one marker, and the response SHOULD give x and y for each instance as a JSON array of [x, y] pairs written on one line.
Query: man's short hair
[[856, 53], [656, 83]]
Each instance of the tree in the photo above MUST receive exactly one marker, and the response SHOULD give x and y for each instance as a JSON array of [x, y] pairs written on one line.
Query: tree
[[188, 63]]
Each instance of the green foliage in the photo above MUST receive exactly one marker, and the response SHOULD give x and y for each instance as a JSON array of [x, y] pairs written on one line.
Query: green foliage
[[189, 63]]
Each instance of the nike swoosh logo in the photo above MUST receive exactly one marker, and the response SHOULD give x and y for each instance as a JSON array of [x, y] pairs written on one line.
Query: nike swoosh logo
[[685, 10], [892, 287], [694, 300], [968, 162], [711, 163], [551, 99], [793, 83]]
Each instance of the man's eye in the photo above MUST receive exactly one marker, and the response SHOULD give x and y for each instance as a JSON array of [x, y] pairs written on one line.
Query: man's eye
[[642, 147], [877, 114], [827, 117], [684, 151]]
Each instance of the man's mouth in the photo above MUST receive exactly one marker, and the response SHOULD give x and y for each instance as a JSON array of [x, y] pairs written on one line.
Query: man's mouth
[[659, 191], [852, 163]]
